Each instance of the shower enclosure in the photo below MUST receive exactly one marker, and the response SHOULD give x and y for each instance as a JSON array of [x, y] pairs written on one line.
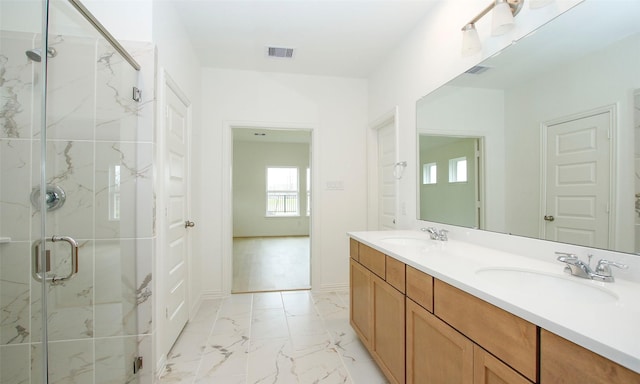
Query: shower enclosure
[[76, 200]]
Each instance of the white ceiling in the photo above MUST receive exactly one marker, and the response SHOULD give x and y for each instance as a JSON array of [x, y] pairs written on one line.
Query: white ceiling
[[346, 38]]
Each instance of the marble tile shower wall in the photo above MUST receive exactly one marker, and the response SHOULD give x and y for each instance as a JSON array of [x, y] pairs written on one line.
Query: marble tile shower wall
[[100, 150]]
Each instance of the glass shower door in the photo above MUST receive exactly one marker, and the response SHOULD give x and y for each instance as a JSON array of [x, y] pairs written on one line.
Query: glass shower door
[[20, 114], [79, 263]]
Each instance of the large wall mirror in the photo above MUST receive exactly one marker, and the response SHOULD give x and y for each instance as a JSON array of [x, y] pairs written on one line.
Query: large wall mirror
[[542, 135]]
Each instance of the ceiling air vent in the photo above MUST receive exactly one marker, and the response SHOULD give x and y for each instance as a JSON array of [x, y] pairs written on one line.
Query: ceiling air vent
[[478, 69], [285, 53]]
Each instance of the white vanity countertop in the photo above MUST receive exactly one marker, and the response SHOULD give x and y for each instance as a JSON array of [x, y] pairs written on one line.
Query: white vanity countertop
[[602, 317]]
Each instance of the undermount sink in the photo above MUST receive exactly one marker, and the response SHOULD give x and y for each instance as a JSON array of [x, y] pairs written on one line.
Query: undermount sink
[[407, 241], [539, 284]]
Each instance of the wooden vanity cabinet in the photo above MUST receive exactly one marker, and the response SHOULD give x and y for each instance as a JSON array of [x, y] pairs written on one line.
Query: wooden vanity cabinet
[[377, 308], [388, 330], [360, 302], [562, 361], [487, 369], [509, 337], [353, 249], [436, 353], [420, 288], [422, 330]]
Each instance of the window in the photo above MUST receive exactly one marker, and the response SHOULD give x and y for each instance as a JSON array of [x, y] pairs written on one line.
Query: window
[[429, 173], [282, 191], [458, 170]]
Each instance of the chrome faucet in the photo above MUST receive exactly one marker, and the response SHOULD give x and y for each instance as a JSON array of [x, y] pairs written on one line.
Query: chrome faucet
[[434, 234], [576, 267]]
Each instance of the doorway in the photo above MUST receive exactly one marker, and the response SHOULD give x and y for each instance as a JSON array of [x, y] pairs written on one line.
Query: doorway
[[271, 209]]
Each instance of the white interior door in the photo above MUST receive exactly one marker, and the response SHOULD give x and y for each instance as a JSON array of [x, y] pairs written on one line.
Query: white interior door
[[577, 181], [176, 240], [386, 178]]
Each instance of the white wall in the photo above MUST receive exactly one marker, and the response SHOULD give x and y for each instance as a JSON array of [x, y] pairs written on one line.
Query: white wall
[[427, 59], [250, 161], [335, 109]]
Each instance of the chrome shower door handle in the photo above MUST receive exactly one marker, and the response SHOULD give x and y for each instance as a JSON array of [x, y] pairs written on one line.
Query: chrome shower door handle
[[37, 268]]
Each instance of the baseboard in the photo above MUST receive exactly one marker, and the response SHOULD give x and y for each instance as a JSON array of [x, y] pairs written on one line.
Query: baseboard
[[212, 295], [333, 287]]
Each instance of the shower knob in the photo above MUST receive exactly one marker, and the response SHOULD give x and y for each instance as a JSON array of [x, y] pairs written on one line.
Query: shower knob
[[54, 199]]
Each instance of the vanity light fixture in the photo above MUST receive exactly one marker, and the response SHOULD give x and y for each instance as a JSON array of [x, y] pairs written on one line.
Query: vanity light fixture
[[502, 18], [502, 21], [470, 40]]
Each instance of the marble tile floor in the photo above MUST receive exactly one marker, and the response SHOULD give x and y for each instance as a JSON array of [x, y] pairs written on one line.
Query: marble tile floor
[[293, 337]]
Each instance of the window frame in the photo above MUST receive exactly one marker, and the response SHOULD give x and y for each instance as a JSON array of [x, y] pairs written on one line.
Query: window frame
[[454, 174]]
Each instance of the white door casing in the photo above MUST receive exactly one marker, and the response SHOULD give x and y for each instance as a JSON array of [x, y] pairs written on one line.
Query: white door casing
[[227, 200], [175, 271], [383, 172], [577, 164], [386, 176]]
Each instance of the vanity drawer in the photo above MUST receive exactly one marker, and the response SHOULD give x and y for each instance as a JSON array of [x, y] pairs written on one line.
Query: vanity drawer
[[372, 259], [353, 249], [395, 274], [420, 288], [508, 337]]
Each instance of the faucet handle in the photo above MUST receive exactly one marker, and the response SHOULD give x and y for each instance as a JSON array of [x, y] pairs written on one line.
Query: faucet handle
[[432, 231], [566, 257], [604, 267], [443, 234]]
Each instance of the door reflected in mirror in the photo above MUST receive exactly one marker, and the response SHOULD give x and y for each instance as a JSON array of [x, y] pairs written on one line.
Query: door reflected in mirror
[[584, 63]]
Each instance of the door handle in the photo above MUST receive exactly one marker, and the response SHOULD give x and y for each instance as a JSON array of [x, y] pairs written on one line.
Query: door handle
[[549, 218], [189, 224], [37, 268]]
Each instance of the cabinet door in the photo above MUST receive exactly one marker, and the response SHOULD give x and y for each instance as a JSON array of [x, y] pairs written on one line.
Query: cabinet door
[[360, 300], [562, 361], [489, 370], [507, 336], [436, 353], [388, 329]]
